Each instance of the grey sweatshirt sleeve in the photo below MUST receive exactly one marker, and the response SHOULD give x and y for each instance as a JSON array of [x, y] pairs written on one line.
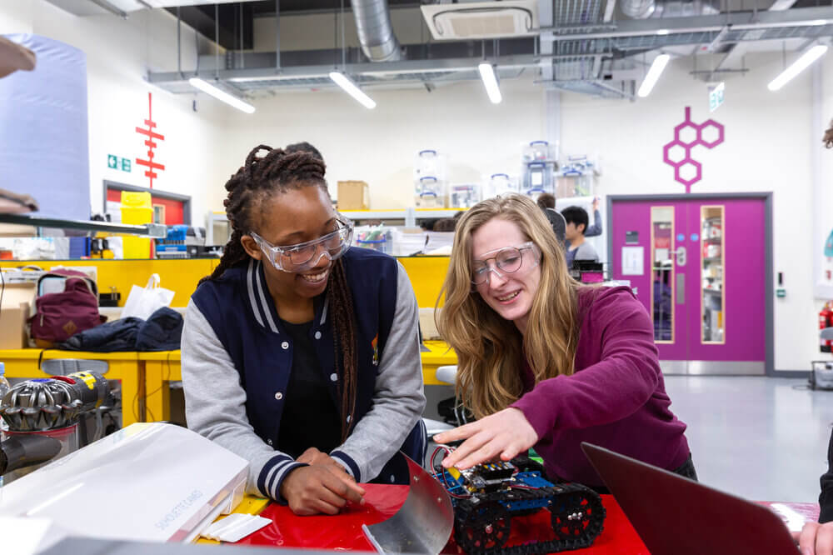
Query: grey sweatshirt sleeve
[[596, 228], [586, 251], [215, 406], [398, 400]]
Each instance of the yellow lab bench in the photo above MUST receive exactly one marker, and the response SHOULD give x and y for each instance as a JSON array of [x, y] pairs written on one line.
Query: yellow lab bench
[[125, 367], [161, 368]]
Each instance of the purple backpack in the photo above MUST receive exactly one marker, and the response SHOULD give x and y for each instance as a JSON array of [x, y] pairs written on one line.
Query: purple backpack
[[61, 315]]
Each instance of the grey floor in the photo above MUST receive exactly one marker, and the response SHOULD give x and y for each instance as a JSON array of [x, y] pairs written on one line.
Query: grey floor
[[759, 438]]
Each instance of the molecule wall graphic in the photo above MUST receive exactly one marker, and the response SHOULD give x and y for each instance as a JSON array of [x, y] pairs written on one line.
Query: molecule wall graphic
[[688, 135]]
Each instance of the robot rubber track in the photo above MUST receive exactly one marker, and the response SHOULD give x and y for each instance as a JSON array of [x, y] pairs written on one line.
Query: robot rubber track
[[482, 524]]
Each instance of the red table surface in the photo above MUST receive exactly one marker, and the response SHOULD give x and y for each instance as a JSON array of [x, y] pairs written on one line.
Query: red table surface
[[344, 531]]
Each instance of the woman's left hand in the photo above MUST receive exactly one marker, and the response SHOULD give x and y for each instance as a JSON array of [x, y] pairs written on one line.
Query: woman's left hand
[[503, 434]]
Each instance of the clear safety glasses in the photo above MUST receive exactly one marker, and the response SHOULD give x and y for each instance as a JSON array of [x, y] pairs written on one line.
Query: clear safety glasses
[[507, 260], [303, 256]]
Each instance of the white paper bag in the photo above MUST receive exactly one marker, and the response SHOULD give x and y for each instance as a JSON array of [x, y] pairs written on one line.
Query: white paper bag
[[141, 303]]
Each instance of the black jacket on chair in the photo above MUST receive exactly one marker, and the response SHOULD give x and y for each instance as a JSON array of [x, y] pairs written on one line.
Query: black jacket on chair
[[161, 332]]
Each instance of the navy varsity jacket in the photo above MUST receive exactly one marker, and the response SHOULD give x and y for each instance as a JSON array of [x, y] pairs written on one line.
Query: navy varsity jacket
[[236, 362]]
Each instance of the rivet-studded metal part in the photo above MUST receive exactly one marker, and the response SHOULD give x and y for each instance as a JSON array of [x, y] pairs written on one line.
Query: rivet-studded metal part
[[48, 404], [482, 524]]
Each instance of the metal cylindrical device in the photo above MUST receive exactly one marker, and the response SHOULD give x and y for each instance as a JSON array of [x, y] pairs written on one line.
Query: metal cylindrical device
[[52, 403]]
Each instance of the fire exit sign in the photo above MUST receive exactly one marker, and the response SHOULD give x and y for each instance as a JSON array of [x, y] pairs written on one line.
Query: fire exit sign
[[116, 163], [716, 96]]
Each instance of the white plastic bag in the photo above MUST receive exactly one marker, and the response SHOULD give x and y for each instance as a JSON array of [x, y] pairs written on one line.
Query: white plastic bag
[[141, 303]]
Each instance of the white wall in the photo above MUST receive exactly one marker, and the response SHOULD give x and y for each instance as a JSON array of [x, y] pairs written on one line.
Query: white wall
[[767, 148], [119, 54], [378, 146]]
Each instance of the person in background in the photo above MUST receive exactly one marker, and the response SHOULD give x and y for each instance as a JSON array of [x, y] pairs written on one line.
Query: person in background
[[817, 537], [299, 353], [546, 200], [545, 362], [578, 248]]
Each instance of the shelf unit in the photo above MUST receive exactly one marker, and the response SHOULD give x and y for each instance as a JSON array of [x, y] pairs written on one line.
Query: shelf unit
[[147, 230], [410, 217]]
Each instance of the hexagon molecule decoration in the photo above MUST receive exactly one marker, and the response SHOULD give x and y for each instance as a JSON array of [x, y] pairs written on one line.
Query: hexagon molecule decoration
[[687, 135]]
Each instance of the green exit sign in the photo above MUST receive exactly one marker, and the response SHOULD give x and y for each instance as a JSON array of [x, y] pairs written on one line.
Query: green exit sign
[[116, 163]]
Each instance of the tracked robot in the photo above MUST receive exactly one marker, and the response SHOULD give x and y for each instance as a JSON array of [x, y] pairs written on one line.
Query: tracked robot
[[486, 497]]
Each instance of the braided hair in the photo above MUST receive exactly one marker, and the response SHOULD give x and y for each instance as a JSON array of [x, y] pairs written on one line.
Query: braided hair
[[258, 180]]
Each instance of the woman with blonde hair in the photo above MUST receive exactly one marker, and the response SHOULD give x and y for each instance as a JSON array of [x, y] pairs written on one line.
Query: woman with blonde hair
[[545, 362]]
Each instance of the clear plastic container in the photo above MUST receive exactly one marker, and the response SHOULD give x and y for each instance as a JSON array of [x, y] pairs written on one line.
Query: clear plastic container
[[429, 163], [539, 151], [464, 196], [500, 184], [429, 192], [378, 238]]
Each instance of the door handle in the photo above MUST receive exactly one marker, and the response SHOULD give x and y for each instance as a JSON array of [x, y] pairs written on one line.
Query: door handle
[[680, 288], [682, 255]]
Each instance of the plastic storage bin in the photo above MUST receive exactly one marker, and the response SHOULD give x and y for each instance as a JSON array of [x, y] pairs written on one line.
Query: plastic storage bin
[[429, 192], [464, 196], [500, 184], [136, 209], [378, 238], [429, 163], [539, 165]]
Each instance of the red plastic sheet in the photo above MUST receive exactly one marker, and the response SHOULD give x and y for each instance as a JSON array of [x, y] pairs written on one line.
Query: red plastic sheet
[[344, 533]]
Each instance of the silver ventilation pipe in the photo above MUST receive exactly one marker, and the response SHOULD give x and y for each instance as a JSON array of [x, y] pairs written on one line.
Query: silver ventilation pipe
[[376, 36]]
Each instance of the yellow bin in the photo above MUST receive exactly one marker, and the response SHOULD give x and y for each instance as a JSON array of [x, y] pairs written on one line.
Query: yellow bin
[[136, 209]]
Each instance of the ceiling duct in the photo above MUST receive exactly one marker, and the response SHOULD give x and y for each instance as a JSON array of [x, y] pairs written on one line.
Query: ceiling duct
[[375, 31], [644, 9]]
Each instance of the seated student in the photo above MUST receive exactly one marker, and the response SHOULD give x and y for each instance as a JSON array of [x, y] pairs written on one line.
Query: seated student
[[545, 362], [299, 353], [546, 200], [817, 537], [577, 247]]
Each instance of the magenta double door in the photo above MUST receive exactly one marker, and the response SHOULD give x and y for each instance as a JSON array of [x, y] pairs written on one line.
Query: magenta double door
[[699, 266]]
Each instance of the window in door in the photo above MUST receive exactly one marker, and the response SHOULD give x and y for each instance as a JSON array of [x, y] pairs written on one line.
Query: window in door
[[713, 300], [662, 273]]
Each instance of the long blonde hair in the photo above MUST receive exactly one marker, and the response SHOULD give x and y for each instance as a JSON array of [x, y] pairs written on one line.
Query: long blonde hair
[[490, 350]]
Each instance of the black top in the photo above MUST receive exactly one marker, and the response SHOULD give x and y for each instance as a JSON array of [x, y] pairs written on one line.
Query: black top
[[826, 497], [310, 415]]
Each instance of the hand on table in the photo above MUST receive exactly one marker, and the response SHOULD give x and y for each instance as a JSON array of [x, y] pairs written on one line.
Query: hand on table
[[503, 434], [320, 488], [815, 539], [314, 457]]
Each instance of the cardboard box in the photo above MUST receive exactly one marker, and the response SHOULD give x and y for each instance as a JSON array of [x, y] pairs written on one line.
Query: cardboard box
[[353, 195], [427, 325], [18, 300]]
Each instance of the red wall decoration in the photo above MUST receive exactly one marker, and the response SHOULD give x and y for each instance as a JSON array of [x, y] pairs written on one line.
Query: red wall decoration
[[151, 135]]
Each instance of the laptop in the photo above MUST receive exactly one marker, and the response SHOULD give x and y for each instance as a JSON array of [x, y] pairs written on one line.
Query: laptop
[[677, 516]]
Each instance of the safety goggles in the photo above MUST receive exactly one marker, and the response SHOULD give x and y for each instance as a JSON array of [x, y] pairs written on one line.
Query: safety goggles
[[303, 256], [507, 259]]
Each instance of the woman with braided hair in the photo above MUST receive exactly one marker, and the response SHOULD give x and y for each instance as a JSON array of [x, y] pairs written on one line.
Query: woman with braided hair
[[301, 354]]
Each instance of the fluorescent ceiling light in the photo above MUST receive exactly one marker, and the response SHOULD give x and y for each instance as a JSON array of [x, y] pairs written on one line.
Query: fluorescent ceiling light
[[222, 95], [798, 66], [653, 75], [487, 74], [663, 32], [818, 23], [352, 89]]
